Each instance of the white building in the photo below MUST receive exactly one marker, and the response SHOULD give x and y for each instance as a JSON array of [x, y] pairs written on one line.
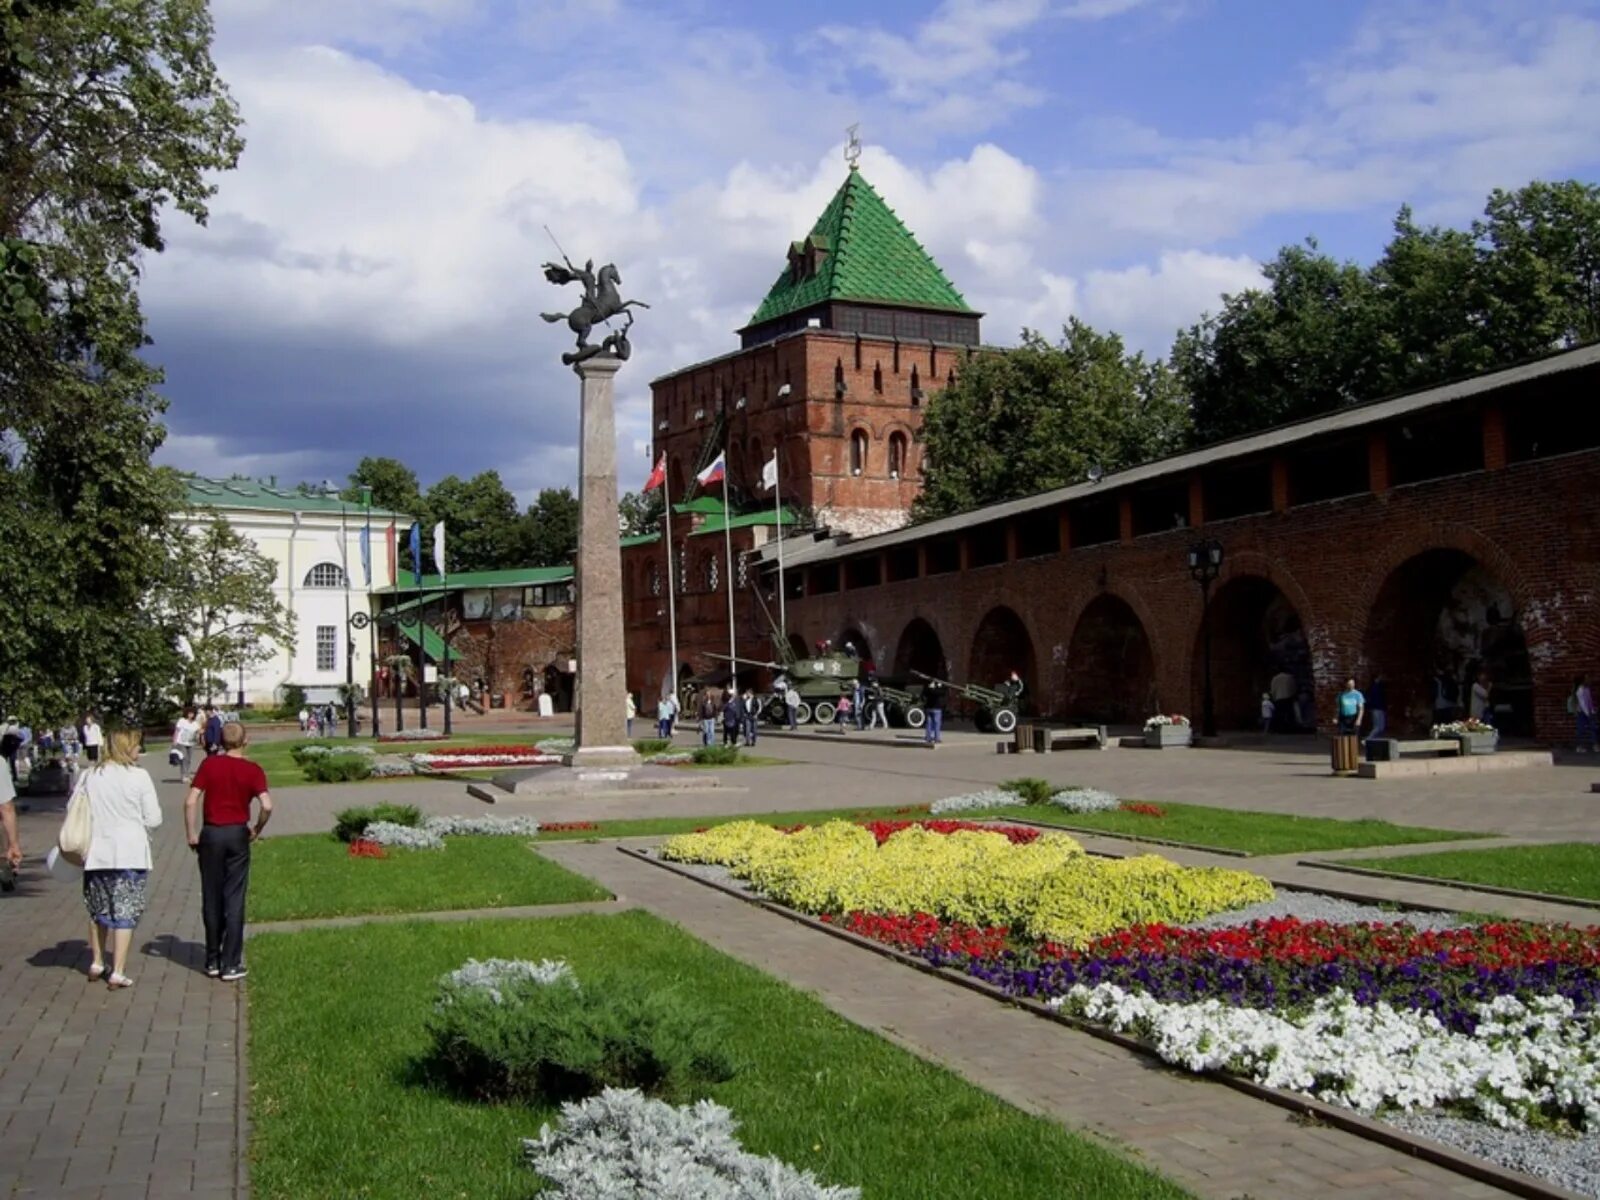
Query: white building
[[315, 543]]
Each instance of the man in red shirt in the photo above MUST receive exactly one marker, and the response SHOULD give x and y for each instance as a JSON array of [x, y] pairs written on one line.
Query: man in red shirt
[[228, 782]]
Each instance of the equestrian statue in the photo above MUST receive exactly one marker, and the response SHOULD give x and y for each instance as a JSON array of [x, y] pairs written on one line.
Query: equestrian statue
[[601, 302]]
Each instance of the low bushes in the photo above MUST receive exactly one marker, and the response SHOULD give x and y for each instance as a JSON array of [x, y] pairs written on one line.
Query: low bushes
[[716, 756], [648, 746], [351, 823], [538, 1034], [337, 768], [1029, 790]]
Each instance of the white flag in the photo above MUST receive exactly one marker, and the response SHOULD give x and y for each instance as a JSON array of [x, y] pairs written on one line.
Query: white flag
[[769, 473], [438, 548]]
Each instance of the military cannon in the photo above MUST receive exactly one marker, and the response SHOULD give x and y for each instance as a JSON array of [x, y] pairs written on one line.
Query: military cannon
[[903, 706], [996, 708]]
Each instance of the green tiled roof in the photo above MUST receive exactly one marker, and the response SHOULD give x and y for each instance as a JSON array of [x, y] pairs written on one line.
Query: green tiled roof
[[240, 492], [513, 577], [868, 254], [640, 539], [766, 517], [709, 505]]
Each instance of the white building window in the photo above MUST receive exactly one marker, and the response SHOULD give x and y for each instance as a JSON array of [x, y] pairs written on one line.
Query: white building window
[[325, 575], [327, 647]]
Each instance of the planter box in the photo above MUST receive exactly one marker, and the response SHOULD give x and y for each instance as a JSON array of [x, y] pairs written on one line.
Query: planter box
[[1167, 737], [1479, 743]]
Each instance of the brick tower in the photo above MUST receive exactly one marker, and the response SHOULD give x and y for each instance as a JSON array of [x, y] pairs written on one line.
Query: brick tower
[[834, 367]]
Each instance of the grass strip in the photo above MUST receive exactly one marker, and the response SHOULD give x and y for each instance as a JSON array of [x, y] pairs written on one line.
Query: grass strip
[[1255, 833], [336, 1022], [301, 877], [1562, 869]]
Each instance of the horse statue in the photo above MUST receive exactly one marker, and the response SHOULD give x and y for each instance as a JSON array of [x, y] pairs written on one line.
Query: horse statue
[[601, 302]]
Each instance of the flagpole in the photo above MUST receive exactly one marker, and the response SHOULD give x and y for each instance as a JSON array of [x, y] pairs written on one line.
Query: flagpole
[[349, 641], [672, 602], [392, 553], [448, 682], [372, 624], [727, 538], [777, 504]]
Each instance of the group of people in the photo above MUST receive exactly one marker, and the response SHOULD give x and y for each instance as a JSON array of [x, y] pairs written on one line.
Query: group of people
[[320, 719], [739, 714], [22, 747], [123, 810]]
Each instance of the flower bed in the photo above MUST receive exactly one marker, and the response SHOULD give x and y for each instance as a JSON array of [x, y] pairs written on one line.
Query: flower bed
[[472, 756], [413, 735], [1048, 888]]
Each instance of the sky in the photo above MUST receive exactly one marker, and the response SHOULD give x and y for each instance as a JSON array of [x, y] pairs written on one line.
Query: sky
[[369, 280]]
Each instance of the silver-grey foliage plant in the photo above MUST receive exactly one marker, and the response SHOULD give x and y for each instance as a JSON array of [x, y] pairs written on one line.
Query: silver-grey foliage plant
[[620, 1145], [490, 975]]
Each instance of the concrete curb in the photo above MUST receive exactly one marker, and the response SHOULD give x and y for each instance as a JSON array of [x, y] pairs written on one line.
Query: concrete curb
[[1477, 1169]]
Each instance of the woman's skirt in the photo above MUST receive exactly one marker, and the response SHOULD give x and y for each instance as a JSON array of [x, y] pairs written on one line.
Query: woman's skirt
[[115, 898]]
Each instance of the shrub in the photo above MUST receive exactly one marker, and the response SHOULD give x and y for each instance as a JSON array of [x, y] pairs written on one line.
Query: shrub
[[337, 768], [649, 746], [716, 756], [528, 1040], [291, 702], [302, 751], [351, 823], [1030, 790]]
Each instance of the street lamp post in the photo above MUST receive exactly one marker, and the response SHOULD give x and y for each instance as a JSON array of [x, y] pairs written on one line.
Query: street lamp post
[[1205, 564]]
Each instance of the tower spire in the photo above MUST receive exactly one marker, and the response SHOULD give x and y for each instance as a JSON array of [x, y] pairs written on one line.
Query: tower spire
[[852, 149]]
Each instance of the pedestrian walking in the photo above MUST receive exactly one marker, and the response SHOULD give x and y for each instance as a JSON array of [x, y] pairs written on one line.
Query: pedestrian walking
[[305, 719], [123, 808], [1479, 707], [211, 731], [10, 744], [633, 711], [842, 715], [1282, 689], [706, 711], [664, 717], [184, 736], [93, 738], [1352, 706], [933, 709], [732, 717], [220, 834], [875, 707], [857, 695], [791, 704], [8, 823], [751, 712], [1581, 705], [1378, 705], [1267, 710]]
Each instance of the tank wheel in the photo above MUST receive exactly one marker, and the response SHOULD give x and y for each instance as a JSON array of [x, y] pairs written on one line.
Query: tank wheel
[[1005, 720], [915, 717], [802, 714], [824, 712]]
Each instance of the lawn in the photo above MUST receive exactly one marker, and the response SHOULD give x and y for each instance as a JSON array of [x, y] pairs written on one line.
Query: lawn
[[336, 1028], [1566, 869], [1234, 829], [298, 877], [282, 771]]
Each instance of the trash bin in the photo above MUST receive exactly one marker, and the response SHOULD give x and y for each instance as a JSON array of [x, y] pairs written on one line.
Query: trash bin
[[1346, 753], [497, 700], [1024, 737]]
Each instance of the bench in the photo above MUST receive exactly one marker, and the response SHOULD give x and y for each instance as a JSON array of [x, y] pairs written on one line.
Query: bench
[[1392, 749], [1043, 739]]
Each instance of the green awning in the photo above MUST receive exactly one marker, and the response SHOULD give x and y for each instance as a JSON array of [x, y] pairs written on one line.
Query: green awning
[[432, 644]]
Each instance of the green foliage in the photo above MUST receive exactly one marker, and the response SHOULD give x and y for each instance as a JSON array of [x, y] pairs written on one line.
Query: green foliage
[[394, 486], [550, 529], [649, 746], [337, 768], [1031, 790], [303, 752], [554, 1042], [640, 512], [1440, 303], [351, 823], [294, 699], [716, 756], [1037, 417], [485, 531], [111, 114]]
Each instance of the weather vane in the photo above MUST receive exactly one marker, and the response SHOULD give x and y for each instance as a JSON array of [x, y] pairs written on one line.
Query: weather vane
[[852, 150]]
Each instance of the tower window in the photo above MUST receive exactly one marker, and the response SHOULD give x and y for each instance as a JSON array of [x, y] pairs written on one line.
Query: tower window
[[858, 452], [877, 378], [897, 455]]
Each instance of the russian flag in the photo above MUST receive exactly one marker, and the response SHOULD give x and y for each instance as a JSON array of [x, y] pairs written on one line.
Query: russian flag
[[713, 473]]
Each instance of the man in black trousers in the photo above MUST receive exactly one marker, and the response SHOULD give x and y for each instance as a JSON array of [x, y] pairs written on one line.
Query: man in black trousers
[[228, 782]]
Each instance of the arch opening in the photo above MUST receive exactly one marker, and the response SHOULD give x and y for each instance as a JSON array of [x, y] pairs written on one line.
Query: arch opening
[[1001, 645], [1442, 618], [1110, 666], [851, 635], [919, 649], [1259, 648]]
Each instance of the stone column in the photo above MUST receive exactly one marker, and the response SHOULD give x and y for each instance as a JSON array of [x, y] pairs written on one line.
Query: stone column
[[602, 712]]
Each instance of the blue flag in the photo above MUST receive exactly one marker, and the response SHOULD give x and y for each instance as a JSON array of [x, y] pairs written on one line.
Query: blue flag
[[416, 551], [366, 555]]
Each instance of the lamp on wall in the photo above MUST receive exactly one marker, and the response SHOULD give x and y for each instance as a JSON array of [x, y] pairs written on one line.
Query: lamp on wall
[[1205, 564], [784, 390]]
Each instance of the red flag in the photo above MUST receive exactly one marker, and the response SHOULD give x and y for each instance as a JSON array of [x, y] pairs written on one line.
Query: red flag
[[658, 476], [394, 553]]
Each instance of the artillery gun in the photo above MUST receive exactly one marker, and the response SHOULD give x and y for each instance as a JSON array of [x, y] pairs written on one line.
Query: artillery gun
[[996, 708]]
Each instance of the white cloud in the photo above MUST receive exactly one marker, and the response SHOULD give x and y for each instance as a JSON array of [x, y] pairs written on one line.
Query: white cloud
[[380, 24]]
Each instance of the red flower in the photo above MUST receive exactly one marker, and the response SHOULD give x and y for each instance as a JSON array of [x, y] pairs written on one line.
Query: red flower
[[566, 826], [1144, 810], [362, 848]]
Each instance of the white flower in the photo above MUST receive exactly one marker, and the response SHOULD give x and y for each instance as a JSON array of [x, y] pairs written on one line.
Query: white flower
[[481, 826], [974, 801], [1084, 800], [387, 833], [492, 974]]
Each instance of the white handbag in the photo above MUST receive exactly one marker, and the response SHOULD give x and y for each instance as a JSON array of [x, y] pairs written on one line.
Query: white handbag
[[73, 840]]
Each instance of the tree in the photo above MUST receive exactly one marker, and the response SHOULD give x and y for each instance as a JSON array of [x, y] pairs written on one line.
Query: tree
[[111, 113], [1022, 421], [394, 486], [483, 528], [1302, 346], [640, 512], [550, 528], [218, 598], [1541, 267]]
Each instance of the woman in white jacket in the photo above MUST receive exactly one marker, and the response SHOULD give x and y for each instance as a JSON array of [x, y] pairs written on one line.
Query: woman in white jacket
[[123, 808]]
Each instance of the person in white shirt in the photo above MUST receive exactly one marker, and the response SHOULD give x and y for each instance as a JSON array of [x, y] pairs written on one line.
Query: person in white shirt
[[185, 735], [1478, 705], [93, 738], [305, 720], [123, 808], [8, 822]]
